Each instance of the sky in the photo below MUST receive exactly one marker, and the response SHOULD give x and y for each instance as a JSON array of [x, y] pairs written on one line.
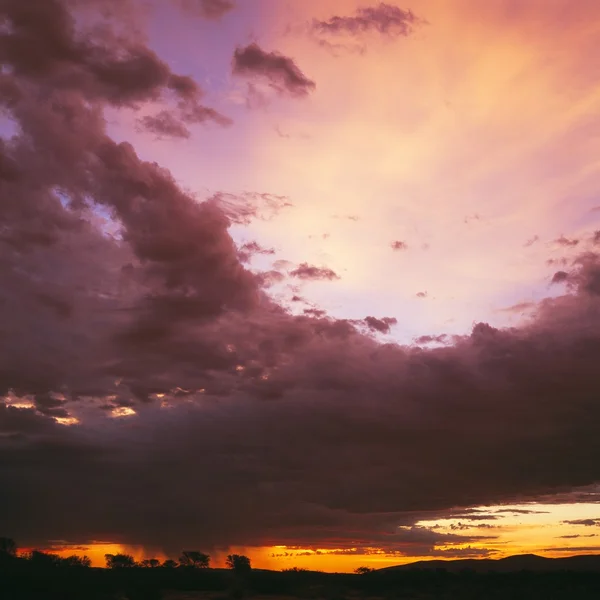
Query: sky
[[314, 281]]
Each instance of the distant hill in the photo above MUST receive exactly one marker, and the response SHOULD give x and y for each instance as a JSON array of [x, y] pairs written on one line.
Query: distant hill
[[511, 564]]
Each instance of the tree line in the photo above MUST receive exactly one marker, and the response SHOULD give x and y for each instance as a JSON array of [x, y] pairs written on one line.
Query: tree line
[[190, 559]]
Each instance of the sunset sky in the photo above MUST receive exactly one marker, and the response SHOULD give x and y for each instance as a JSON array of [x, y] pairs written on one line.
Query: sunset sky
[[316, 281]]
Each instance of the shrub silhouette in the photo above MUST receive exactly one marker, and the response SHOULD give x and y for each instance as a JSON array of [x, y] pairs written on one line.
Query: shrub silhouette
[[150, 563], [238, 563], [119, 561], [170, 564], [43, 560], [76, 562], [195, 559], [8, 546]]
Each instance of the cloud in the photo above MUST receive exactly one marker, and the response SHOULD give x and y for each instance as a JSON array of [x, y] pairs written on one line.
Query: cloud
[[209, 9], [382, 325], [250, 249], [421, 294], [382, 18], [281, 71], [585, 522], [576, 535], [198, 397], [245, 207], [566, 242], [346, 217], [521, 511], [429, 339], [399, 245], [102, 65], [531, 241], [519, 307], [560, 277], [573, 549], [315, 312], [306, 271], [164, 124]]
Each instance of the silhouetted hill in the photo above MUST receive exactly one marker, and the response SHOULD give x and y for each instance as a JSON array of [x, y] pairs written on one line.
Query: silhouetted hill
[[510, 564]]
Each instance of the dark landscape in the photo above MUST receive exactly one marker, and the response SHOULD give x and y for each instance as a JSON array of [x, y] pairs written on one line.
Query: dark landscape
[[39, 575]]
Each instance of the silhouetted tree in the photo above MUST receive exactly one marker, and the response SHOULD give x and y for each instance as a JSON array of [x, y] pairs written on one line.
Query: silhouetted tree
[[119, 561], [76, 561], [8, 546], [43, 560], [193, 558], [150, 563], [170, 564], [239, 563], [363, 570]]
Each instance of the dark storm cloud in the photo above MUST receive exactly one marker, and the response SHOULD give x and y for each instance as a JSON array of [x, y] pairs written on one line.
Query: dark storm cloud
[[306, 271], [252, 426], [382, 325], [382, 18], [41, 43], [280, 70]]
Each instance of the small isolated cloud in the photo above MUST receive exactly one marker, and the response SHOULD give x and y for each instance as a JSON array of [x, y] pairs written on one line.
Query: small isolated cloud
[[310, 272], [421, 294], [584, 522], [208, 9], [576, 535], [531, 241], [399, 245], [566, 242], [346, 217], [281, 71], [383, 18], [164, 124], [382, 325], [474, 217]]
